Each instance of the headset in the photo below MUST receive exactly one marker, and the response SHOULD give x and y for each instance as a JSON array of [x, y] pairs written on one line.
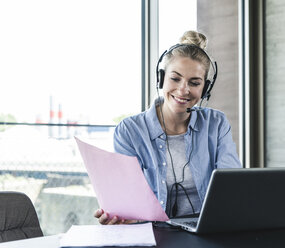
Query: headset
[[160, 73]]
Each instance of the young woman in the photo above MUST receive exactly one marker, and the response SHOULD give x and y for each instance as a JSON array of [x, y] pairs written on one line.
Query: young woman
[[177, 144]]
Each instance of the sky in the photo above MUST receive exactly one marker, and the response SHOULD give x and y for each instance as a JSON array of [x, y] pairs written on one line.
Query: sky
[[83, 53]]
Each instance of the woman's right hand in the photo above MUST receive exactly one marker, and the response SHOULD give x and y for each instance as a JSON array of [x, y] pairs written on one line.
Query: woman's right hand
[[103, 218]]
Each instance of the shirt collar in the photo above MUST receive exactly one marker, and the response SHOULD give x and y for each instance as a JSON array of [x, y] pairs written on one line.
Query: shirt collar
[[153, 123], [192, 123]]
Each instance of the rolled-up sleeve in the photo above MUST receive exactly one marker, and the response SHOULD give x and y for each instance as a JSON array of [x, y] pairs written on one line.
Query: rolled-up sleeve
[[122, 141]]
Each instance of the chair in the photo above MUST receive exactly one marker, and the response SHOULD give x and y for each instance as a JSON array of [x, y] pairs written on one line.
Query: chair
[[18, 217]]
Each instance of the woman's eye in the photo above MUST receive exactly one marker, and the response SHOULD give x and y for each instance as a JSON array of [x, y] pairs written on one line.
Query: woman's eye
[[195, 83], [175, 79]]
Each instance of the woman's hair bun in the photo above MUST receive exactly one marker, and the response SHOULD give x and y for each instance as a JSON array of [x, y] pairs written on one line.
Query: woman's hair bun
[[194, 38]]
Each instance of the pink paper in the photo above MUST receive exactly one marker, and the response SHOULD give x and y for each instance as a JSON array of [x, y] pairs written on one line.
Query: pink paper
[[120, 185]]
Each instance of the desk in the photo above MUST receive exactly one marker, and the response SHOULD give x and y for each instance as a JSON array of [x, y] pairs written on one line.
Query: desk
[[41, 242], [175, 238]]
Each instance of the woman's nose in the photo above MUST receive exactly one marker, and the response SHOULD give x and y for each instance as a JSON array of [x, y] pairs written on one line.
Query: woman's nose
[[184, 87]]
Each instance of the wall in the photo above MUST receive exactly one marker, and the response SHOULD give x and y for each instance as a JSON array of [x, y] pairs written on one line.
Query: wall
[[218, 20], [274, 82]]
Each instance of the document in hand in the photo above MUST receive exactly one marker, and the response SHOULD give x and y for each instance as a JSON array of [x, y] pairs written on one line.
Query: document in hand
[[109, 235], [120, 185]]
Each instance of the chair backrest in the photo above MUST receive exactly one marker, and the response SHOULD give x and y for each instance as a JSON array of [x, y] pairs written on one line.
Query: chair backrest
[[18, 217]]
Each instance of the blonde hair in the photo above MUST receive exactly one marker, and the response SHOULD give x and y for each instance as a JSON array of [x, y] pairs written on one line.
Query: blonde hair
[[194, 38], [195, 45]]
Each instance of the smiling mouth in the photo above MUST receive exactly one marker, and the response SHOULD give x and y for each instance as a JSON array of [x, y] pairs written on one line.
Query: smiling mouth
[[181, 100]]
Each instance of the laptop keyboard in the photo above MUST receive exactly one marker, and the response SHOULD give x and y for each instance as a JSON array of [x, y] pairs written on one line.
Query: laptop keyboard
[[190, 223]]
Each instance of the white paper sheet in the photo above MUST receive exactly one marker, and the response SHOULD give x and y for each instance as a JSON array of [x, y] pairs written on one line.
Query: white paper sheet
[[109, 235]]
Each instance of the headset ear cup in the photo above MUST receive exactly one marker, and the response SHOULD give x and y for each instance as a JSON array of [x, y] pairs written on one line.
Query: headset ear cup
[[205, 89], [161, 78]]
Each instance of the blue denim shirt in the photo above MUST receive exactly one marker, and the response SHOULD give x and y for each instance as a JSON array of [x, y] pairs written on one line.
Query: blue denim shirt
[[208, 143]]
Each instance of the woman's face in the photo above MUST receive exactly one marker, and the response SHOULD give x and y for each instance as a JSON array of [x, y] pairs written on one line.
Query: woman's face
[[183, 84]]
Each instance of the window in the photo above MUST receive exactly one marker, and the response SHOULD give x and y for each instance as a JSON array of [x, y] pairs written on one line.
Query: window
[[67, 67], [174, 20], [80, 56]]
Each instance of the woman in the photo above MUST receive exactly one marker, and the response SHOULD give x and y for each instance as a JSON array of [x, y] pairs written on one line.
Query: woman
[[177, 144]]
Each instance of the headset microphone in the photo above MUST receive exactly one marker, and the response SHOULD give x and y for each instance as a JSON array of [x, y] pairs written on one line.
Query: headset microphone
[[189, 110]]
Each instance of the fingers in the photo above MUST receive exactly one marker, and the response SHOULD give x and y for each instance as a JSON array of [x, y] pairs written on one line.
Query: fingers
[[130, 221], [113, 221], [122, 221], [103, 218], [98, 213]]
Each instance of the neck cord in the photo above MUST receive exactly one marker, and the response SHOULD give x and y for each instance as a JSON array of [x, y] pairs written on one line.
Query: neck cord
[[176, 184]]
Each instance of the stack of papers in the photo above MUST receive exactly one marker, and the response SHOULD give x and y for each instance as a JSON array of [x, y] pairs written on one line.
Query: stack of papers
[[109, 235]]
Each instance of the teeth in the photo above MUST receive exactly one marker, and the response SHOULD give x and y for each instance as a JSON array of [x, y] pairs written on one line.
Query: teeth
[[181, 100]]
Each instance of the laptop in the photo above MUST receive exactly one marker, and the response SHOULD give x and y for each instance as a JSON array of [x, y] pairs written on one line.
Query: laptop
[[239, 200]]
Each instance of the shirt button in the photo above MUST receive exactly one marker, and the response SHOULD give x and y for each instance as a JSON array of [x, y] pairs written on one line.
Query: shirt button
[[161, 136], [164, 163], [161, 202], [160, 146], [163, 181]]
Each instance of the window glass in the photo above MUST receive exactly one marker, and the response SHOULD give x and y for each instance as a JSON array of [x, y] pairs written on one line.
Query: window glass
[[67, 68], [81, 56], [174, 20]]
